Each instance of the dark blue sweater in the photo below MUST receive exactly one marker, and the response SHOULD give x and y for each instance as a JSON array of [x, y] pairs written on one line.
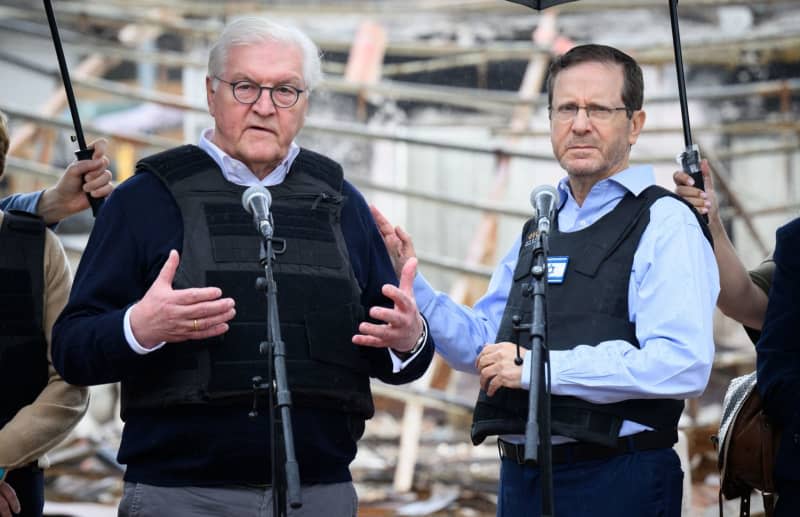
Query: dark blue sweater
[[778, 359], [202, 445]]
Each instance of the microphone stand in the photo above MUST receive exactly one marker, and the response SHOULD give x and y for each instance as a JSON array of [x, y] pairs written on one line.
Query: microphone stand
[[286, 486], [537, 428]]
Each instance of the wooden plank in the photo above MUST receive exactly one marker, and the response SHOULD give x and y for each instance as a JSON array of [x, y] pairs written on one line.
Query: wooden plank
[[365, 61], [764, 48], [91, 66], [21, 139], [490, 101], [125, 159], [431, 398], [366, 55], [90, 129]]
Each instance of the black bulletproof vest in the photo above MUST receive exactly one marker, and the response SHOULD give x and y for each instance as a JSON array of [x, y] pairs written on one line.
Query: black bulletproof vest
[[23, 347], [589, 307], [318, 295]]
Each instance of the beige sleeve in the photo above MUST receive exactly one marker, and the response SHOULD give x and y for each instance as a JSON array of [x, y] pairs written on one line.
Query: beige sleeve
[[40, 426], [762, 275]]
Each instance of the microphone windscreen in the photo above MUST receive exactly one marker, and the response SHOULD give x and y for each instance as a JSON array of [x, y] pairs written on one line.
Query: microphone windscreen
[[251, 193], [543, 199]]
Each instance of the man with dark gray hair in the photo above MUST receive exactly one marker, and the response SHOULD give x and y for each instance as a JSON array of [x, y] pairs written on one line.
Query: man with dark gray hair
[[631, 288], [182, 333]]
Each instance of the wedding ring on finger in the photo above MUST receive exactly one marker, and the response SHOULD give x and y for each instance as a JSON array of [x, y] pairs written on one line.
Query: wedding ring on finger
[[194, 323]]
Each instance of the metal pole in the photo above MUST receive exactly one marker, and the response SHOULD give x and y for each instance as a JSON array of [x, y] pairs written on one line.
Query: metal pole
[[690, 158], [62, 66], [676, 45], [83, 153]]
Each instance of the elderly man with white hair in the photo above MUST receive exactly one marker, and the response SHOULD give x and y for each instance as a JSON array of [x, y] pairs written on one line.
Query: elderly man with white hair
[[165, 300]]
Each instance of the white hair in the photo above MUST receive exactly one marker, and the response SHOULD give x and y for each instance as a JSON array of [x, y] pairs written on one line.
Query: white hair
[[251, 30]]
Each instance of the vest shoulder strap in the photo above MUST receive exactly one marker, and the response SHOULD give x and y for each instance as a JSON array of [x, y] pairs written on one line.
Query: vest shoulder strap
[[655, 192], [23, 223], [320, 167], [619, 224], [627, 214], [176, 165], [182, 163]]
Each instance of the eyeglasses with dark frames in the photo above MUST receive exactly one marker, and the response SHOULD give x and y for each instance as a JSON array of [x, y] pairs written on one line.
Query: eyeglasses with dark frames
[[248, 92], [595, 112]]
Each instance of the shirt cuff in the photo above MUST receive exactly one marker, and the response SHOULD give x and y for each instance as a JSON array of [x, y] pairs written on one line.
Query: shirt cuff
[[135, 346], [397, 363], [26, 202], [555, 364], [525, 381]]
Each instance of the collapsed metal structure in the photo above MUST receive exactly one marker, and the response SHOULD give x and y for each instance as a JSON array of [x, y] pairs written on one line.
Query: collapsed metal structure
[[444, 80]]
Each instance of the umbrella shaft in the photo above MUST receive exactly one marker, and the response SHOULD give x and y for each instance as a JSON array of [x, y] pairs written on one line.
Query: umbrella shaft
[[62, 65], [676, 43]]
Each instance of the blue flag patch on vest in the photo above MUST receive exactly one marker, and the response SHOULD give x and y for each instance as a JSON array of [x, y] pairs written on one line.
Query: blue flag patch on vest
[[556, 269]]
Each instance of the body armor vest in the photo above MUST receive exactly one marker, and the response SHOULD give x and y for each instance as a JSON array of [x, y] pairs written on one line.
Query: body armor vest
[[588, 307], [318, 295], [23, 347]]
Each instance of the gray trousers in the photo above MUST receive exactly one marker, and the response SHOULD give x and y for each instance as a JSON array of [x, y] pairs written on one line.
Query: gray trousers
[[140, 500]]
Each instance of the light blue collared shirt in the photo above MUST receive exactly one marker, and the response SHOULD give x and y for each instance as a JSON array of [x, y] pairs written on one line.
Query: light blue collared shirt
[[672, 292], [24, 202]]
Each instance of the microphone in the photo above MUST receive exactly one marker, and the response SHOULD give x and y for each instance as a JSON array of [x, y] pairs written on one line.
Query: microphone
[[543, 200], [257, 200]]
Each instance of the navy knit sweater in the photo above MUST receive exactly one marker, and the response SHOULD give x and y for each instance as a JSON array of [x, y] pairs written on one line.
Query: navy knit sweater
[[202, 445]]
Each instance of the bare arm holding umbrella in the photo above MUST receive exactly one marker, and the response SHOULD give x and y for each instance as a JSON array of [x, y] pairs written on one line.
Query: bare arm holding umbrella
[[740, 297]]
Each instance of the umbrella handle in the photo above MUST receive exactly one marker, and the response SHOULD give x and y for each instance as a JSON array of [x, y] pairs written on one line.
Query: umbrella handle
[[95, 203], [690, 162]]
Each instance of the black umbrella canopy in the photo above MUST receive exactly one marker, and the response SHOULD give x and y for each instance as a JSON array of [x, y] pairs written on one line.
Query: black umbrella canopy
[[540, 4]]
